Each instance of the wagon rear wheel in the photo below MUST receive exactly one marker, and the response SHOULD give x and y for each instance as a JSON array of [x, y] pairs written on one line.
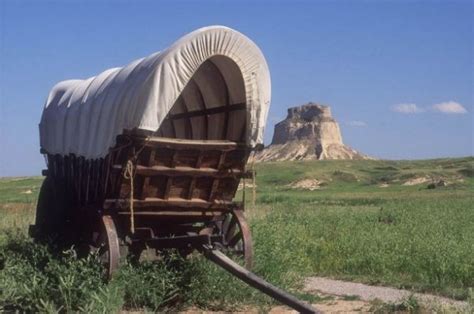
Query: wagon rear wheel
[[237, 237], [106, 243], [50, 221]]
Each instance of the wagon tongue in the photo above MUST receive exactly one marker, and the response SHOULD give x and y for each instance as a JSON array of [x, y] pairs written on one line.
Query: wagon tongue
[[253, 280]]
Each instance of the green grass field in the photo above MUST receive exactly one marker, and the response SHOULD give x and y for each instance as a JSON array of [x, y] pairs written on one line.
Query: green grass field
[[362, 224]]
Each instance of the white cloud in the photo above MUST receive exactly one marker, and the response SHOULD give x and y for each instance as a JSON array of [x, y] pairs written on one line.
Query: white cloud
[[407, 108], [449, 107], [357, 123]]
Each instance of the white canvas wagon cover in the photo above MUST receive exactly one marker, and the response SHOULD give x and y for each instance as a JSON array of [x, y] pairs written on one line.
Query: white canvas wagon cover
[[84, 117]]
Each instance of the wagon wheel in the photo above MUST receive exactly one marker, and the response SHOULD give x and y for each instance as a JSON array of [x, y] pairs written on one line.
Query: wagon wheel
[[50, 212], [236, 235], [106, 242]]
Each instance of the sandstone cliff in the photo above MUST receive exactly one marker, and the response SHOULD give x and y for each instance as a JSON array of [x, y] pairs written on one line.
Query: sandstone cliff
[[308, 132]]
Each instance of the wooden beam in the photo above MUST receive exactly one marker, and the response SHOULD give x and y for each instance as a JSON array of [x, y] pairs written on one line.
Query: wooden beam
[[175, 217], [168, 203], [208, 111], [169, 213], [188, 241], [251, 279], [174, 143], [192, 185], [203, 103], [188, 172]]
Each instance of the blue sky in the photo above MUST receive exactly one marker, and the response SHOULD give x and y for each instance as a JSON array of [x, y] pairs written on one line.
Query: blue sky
[[397, 75]]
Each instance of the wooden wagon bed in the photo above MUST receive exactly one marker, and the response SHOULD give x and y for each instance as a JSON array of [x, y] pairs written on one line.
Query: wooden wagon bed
[[153, 192]]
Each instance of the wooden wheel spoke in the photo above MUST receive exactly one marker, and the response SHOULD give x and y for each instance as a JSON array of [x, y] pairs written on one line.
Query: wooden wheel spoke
[[235, 239], [231, 232], [226, 224]]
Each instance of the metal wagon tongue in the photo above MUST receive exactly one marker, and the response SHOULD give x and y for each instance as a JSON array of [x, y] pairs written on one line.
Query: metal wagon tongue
[[253, 280]]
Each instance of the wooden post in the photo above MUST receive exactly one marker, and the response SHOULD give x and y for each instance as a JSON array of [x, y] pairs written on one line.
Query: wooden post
[[254, 188]]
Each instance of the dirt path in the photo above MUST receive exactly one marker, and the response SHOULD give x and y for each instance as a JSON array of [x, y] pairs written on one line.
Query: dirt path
[[343, 293], [370, 293], [333, 306]]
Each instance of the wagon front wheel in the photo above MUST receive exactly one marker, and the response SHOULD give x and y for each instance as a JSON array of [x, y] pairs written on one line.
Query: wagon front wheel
[[106, 243], [237, 237]]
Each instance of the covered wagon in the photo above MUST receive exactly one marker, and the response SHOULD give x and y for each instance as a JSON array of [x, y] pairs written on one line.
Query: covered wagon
[[150, 155]]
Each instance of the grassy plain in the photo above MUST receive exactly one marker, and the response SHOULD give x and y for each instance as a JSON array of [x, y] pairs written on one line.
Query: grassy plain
[[362, 223]]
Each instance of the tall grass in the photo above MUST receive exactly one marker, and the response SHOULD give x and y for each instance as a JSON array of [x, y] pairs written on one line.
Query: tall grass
[[404, 236], [406, 244], [34, 279]]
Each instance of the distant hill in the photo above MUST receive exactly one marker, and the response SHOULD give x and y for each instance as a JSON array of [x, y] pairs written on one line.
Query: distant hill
[[309, 132]]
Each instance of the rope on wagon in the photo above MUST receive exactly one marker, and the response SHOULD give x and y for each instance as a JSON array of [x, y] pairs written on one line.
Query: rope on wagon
[[128, 174]]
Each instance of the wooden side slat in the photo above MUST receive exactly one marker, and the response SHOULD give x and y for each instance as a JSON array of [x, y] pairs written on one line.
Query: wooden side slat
[[188, 171], [170, 202], [175, 143], [194, 212], [193, 144]]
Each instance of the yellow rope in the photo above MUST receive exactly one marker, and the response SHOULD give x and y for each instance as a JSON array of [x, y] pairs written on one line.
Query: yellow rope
[[128, 174]]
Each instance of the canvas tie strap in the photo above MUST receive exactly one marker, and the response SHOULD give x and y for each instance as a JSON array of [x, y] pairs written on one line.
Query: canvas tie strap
[[128, 175]]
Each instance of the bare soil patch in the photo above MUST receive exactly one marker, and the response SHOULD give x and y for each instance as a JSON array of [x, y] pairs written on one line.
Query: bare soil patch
[[306, 184], [417, 180], [332, 306], [371, 293]]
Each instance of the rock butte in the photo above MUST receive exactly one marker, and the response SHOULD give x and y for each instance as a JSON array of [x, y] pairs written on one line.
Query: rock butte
[[309, 132]]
